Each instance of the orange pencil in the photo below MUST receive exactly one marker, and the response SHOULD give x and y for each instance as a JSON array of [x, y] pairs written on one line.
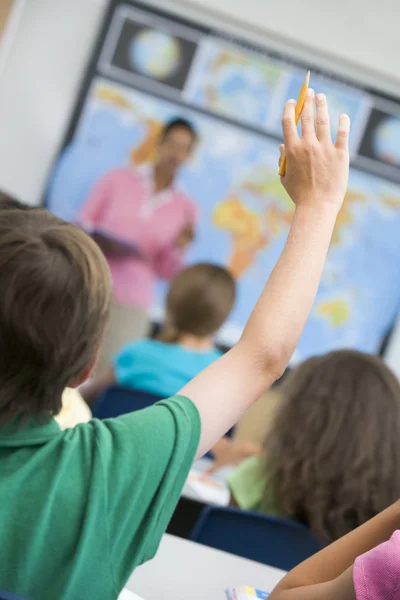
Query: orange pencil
[[299, 108]]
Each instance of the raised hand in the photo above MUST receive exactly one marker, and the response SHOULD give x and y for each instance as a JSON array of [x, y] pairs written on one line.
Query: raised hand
[[317, 169]]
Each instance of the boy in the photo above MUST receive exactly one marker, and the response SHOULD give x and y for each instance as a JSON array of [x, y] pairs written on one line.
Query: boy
[[74, 409], [81, 509]]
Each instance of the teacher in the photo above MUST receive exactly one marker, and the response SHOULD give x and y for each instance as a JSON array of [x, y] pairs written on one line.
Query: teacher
[[143, 221]]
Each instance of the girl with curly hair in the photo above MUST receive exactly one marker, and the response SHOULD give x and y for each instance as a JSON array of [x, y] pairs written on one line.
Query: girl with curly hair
[[331, 459]]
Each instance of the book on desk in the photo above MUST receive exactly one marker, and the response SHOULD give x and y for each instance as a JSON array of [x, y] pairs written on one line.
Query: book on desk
[[245, 593]]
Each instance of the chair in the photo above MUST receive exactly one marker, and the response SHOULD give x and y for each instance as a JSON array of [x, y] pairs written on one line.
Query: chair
[[118, 400], [7, 596], [270, 540]]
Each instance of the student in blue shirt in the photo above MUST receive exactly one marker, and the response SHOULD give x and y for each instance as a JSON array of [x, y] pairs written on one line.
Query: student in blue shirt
[[199, 300]]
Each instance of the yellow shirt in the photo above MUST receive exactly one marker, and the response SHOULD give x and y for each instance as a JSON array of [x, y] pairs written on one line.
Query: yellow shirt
[[74, 410]]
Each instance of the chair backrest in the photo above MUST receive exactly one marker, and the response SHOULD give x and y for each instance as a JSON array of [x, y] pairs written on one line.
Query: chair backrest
[[118, 400], [7, 596], [269, 540]]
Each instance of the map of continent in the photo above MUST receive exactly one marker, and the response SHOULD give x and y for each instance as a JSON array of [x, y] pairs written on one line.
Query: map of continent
[[253, 229]]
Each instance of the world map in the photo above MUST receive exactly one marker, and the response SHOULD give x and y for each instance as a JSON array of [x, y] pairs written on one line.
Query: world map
[[245, 215]]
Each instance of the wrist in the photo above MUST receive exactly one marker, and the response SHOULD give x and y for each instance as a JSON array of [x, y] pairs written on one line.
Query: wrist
[[318, 210]]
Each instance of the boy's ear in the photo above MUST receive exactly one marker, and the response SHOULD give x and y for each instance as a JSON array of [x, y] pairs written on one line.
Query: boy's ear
[[85, 374]]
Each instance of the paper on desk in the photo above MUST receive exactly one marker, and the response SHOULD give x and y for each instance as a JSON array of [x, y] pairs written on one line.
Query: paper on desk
[[208, 489], [127, 595], [245, 593]]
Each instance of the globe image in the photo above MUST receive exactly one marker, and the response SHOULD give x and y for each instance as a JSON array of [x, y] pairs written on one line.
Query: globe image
[[155, 54], [387, 140]]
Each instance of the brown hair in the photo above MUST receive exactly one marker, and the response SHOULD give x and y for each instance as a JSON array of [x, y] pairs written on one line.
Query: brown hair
[[199, 300], [333, 455], [54, 303], [8, 202]]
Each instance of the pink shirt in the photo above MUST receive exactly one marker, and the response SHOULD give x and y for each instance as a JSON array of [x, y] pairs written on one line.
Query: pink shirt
[[376, 574], [125, 206]]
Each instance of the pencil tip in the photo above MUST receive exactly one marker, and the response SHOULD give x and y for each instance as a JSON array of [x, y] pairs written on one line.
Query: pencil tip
[[307, 80]]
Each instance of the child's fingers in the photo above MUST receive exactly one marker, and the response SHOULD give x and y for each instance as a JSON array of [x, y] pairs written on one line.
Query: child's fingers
[[290, 134], [307, 116], [342, 137], [322, 118]]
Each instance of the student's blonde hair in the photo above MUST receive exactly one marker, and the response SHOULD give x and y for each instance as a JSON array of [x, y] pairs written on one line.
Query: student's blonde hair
[[199, 300]]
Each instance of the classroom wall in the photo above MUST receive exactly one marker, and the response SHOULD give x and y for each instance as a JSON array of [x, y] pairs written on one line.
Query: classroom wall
[[39, 82], [50, 41]]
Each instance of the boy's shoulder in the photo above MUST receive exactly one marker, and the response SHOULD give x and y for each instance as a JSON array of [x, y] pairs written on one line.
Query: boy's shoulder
[[104, 484]]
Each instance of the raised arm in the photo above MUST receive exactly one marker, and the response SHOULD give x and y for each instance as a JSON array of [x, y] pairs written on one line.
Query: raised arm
[[328, 574], [316, 179]]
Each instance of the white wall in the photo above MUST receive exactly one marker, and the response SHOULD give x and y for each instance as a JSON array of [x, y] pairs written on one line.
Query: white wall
[[39, 80], [47, 50]]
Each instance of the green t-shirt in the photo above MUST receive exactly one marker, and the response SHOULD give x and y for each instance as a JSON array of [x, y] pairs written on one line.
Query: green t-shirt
[[80, 509], [248, 485]]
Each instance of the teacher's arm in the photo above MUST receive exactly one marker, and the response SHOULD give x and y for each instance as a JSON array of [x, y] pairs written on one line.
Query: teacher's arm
[[169, 261], [93, 209], [91, 218]]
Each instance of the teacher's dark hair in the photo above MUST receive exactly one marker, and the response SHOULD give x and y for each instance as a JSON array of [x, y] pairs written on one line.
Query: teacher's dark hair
[[332, 455], [179, 123]]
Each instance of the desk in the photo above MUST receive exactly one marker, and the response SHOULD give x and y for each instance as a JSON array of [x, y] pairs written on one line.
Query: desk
[[183, 570], [195, 497]]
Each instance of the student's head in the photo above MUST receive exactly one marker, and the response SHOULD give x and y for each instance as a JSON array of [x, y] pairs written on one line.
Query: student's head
[[177, 140], [54, 304], [333, 453], [199, 300], [8, 202]]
